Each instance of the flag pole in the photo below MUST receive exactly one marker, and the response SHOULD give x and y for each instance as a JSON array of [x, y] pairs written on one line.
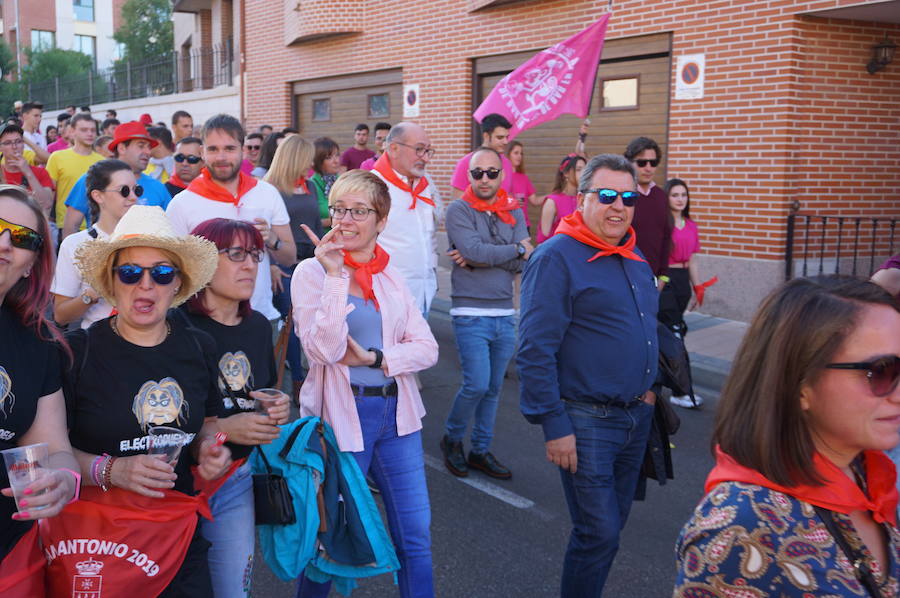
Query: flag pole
[[597, 69]]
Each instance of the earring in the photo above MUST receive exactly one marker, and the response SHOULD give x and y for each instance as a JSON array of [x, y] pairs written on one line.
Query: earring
[[27, 274]]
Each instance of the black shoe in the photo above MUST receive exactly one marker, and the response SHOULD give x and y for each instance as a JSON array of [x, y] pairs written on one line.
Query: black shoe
[[454, 457], [488, 464]]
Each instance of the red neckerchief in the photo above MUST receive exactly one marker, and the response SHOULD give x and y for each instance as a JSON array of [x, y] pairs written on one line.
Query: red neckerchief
[[204, 185], [574, 226], [300, 183], [502, 205], [839, 494], [176, 180], [364, 272], [383, 166]]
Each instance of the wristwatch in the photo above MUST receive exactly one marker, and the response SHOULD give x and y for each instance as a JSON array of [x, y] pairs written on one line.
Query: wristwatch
[[521, 249], [86, 299], [275, 245], [379, 356]]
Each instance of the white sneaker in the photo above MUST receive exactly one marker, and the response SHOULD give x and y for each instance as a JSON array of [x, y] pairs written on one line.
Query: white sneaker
[[685, 401]]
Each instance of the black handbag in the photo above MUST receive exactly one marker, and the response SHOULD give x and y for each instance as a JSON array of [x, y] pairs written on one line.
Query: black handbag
[[272, 501]]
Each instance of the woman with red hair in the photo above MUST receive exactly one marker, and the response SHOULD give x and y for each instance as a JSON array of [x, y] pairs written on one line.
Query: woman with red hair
[[32, 409]]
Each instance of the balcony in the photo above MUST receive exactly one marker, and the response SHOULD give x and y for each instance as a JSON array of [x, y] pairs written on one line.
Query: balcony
[[311, 20]]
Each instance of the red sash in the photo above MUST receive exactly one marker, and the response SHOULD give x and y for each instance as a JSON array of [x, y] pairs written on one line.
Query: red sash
[[176, 180], [501, 206], [22, 570], [363, 272], [573, 225], [118, 541], [384, 168], [204, 185]]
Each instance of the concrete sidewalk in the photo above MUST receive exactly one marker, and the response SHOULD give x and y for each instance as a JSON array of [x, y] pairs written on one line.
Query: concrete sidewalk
[[711, 341]]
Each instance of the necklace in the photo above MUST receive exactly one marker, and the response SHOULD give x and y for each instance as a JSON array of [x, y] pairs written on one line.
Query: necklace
[[115, 327]]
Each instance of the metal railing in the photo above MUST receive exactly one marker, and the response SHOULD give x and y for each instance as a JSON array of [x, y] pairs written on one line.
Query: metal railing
[[854, 245], [175, 72]]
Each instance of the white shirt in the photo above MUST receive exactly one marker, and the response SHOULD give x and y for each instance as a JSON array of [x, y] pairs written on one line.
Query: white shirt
[[409, 238], [37, 137], [67, 280], [167, 164], [188, 209]]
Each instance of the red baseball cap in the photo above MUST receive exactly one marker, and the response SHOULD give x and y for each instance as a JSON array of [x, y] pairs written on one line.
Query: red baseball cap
[[145, 119], [129, 131]]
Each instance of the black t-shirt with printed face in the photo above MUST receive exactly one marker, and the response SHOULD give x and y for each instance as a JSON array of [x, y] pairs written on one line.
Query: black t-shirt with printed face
[[118, 390], [245, 356], [29, 370]]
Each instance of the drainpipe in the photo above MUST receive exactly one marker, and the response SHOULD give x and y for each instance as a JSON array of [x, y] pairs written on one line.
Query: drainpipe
[[242, 46]]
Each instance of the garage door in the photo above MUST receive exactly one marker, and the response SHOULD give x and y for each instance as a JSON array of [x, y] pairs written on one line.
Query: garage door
[[634, 73], [333, 107]]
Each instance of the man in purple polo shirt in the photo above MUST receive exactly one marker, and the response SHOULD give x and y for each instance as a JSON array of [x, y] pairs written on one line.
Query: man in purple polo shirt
[[359, 153], [495, 135], [652, 223]]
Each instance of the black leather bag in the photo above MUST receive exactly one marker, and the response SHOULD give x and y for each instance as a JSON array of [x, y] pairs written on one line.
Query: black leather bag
[[272, 497]]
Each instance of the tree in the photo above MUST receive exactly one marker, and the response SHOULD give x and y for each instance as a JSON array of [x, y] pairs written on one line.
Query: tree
[[9, 89], [45, 65], [77, 84], [146, 32]]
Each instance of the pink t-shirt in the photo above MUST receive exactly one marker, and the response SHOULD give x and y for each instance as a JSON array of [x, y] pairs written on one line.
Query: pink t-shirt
[[460, 178], [685, 242], [565, 205], [522, 189], [59, 144], [368, 164], [246, 166]]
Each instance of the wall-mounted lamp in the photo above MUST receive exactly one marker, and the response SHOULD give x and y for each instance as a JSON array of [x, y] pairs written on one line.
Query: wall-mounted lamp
[[882, 55]]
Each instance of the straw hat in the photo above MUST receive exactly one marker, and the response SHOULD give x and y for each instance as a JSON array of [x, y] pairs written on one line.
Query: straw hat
[[147, 226]]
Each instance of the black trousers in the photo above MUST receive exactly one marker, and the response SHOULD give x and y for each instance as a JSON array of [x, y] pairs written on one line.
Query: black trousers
[[674, 300]]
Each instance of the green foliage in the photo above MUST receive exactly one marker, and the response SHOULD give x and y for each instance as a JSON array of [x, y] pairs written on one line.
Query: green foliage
[[147, 32], [9, 90], [45, 65], [77, 84]]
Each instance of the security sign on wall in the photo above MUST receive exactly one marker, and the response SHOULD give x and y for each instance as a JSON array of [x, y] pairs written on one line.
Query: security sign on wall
[[689, 77], [411, 100]]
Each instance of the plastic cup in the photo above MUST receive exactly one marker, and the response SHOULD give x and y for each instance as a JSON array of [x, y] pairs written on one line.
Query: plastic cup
[[262, 404], [24, 465], [166, 441]]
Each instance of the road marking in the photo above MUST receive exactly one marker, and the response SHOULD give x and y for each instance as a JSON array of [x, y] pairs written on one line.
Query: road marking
[[501, 494]]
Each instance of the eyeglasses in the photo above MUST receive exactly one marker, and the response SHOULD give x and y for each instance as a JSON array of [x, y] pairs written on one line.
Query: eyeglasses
[[252, 148], [478, 173], [22, 236], [883, 373], [132, 273], [13, 143], [358, 214], [421, 150], [191, 159], [125, 191], [239, 254], [608, 196], [642, 163]]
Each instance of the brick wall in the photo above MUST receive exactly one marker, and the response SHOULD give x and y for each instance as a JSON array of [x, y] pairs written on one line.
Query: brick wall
[[789, 111]]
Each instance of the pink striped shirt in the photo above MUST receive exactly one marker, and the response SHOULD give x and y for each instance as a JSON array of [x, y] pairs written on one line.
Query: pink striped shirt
[[320, 321]]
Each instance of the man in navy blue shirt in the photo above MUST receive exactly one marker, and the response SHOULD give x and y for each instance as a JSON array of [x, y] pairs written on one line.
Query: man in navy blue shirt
[[587, 362]]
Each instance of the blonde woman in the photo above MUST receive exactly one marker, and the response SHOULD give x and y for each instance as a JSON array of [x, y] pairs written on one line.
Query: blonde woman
[[292, 162]]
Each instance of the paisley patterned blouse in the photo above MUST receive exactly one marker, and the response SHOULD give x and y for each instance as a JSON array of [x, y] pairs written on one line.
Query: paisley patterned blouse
[[746, 541]]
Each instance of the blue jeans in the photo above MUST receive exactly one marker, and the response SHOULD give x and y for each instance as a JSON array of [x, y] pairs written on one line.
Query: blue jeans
[[232, 534], [485, 345], [282, 302], [610, 442], [397, 465]]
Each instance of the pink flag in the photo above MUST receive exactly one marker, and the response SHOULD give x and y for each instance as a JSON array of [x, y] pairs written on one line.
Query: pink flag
[[559, 80]]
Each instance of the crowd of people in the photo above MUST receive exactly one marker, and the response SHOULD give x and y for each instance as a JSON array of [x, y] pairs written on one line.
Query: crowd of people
[[146, 268]]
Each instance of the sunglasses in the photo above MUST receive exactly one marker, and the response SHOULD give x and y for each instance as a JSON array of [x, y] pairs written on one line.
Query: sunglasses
[[22, 236], [249, 147], [642, 163], [239, 254], [125, 191], [883, 373], [608, 196], [478, 173], [192, 159], [132, 273]]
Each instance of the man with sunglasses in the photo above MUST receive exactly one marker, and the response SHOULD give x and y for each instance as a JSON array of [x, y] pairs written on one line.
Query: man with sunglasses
[[652, 221], [588, 362], [17, 171], [409, 236], [132, 145], [252, 147], [487, 229], [494, 135], [188, 164]]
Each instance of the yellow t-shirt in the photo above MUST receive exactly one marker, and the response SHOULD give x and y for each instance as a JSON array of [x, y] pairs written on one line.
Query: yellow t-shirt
[[65, 167], [28, 155], [152, 168]]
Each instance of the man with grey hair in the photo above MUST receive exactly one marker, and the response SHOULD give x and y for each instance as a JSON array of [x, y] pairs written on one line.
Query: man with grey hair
[[409, 236], [587, 363]]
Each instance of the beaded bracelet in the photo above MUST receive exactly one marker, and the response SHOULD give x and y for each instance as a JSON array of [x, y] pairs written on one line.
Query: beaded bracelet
[[106, 475], [95, 469]]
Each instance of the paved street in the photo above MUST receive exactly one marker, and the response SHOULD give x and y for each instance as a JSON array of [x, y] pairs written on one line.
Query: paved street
[[497, 539]]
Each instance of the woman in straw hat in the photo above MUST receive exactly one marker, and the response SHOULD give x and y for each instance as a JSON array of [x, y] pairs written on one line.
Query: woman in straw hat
[[31, 401], [139, 369], [365, 339]]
